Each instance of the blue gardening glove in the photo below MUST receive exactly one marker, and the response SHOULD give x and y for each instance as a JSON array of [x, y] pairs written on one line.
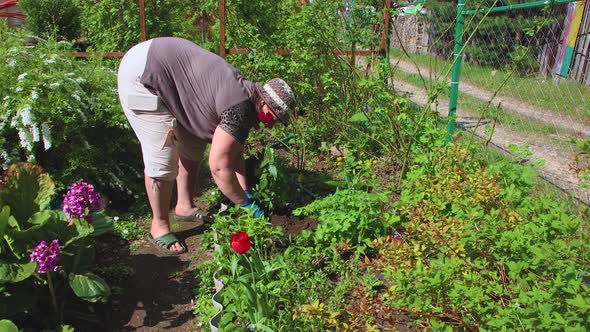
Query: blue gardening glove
[[248, 195], [257, 211]]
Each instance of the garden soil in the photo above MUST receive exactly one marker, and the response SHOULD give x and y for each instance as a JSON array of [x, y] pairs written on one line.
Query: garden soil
[[159, 294]]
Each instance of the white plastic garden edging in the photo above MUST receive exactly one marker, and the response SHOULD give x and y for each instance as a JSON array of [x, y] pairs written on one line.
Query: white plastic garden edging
[[216, 298]]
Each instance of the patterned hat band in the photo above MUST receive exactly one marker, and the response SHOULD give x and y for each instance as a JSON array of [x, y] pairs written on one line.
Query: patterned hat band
[[279, 97], [275, 97]]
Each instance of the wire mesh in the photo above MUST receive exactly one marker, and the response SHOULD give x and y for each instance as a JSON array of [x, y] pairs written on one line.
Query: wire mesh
[[524, 84]]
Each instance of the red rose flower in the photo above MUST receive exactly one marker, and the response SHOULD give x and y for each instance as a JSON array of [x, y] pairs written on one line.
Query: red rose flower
[[265, 118], [240, 242]]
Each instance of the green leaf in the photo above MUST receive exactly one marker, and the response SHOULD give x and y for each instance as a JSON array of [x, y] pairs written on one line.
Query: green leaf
[[89, 287], [27, 189], [4, 216], [358, 117], [15, 272], [66, 328], [579, 302], [250, 292], [101, 223], [17, 248], [37, 220], [8, 326], [83, 229], [272, 170], [40, 218]]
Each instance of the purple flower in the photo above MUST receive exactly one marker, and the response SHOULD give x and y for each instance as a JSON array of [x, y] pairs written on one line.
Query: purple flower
[[46, 257], [81, 200]]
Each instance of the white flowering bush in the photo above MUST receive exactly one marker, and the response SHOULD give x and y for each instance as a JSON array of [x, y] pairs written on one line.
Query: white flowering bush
[[63, 113]]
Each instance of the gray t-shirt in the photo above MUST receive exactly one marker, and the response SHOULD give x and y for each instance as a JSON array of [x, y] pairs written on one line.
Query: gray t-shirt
[[199, 88]]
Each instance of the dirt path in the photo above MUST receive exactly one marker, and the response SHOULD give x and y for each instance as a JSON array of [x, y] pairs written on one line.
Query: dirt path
[[159, 295], [558, 160]]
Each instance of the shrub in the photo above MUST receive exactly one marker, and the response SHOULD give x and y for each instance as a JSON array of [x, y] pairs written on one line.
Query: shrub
[[113, 25], [475, 250], [64, 114], [59, 18], [348, 214]]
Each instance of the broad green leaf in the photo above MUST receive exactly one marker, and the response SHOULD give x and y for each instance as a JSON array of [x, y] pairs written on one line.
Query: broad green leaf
[[17, 247], [89, 287], [358, 117], [40, 218], [79, 253], [66, 328], [101, 223], [13, 223], [8, 326], [4, 216], [272, 170], [27, 189], [83, 229], [37, 220], [250, 292], [15, 272]]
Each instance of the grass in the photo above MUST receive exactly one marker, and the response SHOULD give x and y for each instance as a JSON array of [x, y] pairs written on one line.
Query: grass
[[478, 106], [562, 96], [544, 187]]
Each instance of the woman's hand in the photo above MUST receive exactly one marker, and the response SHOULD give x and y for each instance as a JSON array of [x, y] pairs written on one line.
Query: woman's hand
[[256, 210]]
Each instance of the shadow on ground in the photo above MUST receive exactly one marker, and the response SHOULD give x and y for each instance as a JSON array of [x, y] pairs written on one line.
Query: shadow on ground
[[157, 296]]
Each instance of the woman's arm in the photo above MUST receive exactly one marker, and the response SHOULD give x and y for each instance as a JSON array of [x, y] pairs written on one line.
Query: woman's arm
[[241, 171], [225, 160]]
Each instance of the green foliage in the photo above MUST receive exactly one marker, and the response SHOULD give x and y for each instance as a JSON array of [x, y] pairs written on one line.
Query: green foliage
[[272, 181], [113, 25], [357, 174], [270, 286], [89, 287], [128, 228], [52, 18], [202, 308], [56, 111], [497, 40], [8, 326], [250, 281], [26, 189], [348, 214], [477, 251], [25, 192]]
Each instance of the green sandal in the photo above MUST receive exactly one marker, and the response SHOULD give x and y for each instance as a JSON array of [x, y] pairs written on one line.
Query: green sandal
[[163, 242], [195, 216]]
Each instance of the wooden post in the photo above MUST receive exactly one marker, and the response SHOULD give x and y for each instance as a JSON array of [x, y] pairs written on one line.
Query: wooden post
[[222, 28], [142, 20]]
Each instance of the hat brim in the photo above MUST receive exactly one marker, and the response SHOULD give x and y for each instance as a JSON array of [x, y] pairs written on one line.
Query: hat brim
[[267, 99]]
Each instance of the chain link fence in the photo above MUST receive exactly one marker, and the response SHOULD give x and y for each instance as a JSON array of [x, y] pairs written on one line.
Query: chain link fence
[[521, 79]]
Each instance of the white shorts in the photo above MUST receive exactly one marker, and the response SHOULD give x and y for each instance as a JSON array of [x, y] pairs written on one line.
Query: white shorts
[[162, 139]]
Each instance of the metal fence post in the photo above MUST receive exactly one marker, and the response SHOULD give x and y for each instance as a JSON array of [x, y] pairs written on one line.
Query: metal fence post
[[457, 58]]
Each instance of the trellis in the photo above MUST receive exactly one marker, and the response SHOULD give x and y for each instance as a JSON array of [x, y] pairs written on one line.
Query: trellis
[[223, 51]]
